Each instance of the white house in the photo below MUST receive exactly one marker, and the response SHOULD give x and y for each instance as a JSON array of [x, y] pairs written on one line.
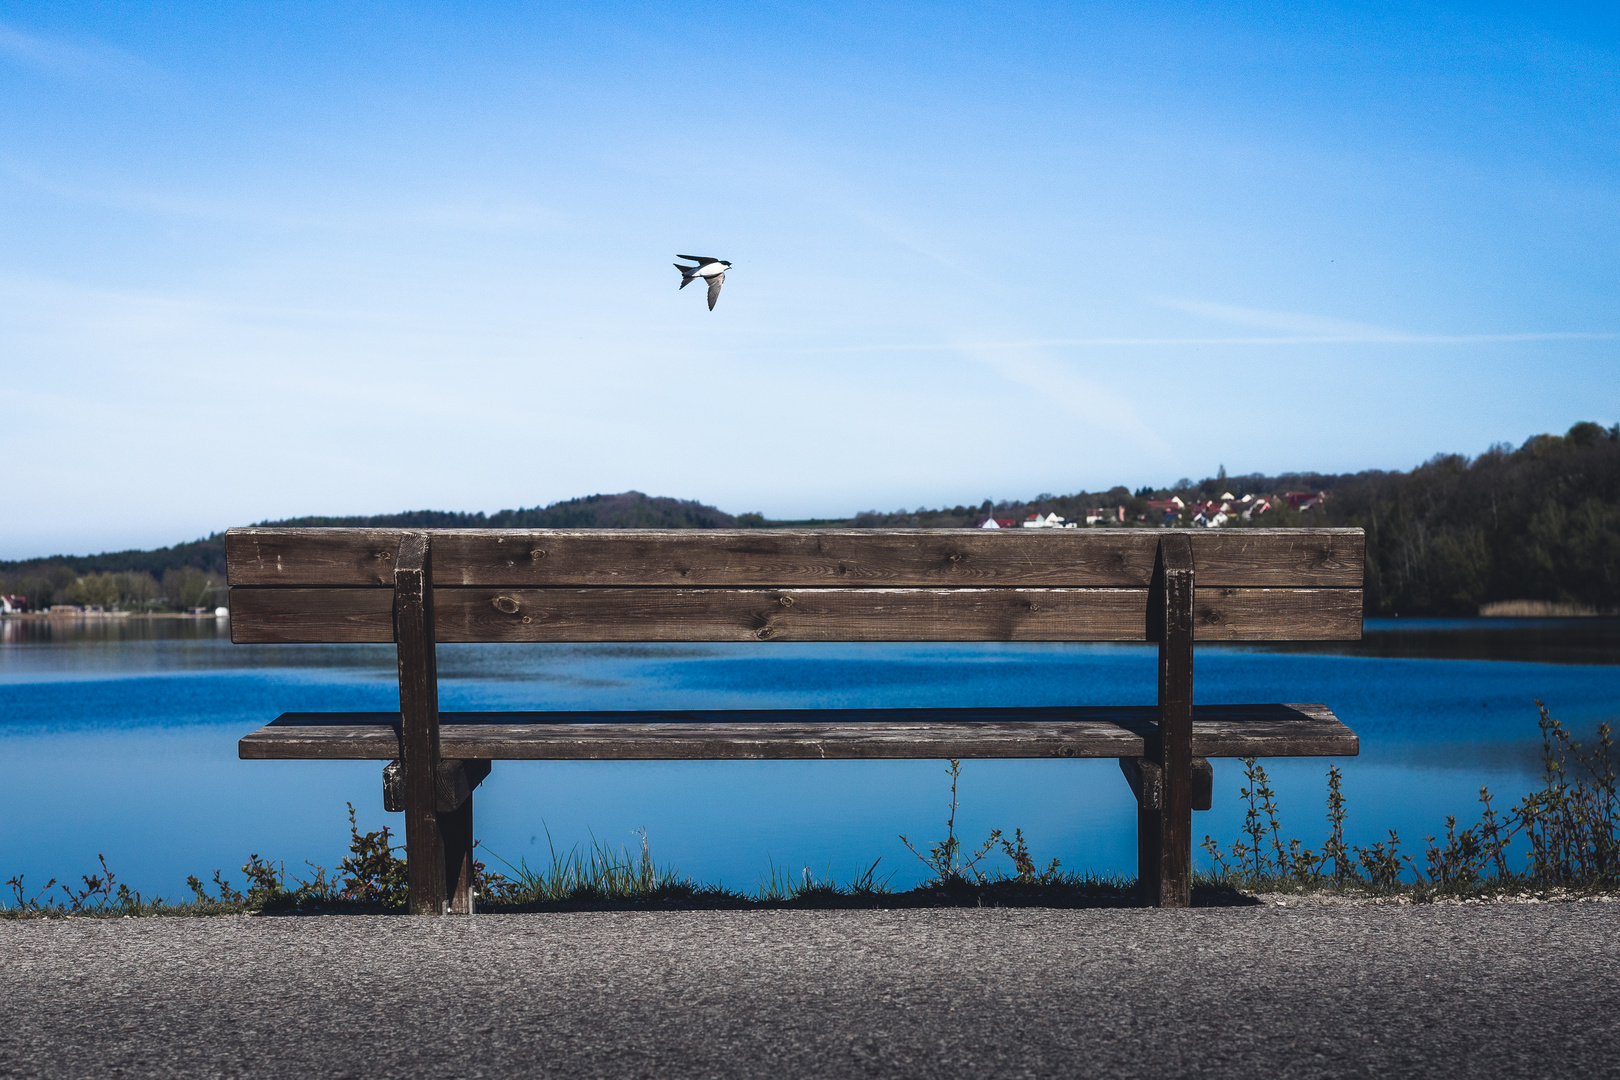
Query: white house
[[1050, 521]]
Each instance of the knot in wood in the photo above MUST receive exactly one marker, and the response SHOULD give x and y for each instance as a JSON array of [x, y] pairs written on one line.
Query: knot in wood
[[955, 556], [785, 601], [527, 619], [765, 632], [1034, 607], [385, 555], [505, 605], [537, 554]]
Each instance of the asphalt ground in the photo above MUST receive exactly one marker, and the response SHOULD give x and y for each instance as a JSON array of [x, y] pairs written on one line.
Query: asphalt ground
[[1315, 990]]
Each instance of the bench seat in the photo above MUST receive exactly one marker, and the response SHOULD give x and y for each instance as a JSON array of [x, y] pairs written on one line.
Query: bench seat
[[1297, 730]]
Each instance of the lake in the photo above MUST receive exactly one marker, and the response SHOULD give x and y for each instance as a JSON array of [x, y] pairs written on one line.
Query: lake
[[119, 737]]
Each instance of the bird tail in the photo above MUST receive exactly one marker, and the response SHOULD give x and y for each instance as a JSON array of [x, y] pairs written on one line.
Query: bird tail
[[686, 274]]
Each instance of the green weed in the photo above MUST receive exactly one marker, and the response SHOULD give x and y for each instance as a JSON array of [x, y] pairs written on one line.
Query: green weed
[[1570, 827]]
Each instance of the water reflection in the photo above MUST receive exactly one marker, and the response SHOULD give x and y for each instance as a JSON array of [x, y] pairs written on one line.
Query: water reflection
[[1538, 641], [110, 724], [67, 630]]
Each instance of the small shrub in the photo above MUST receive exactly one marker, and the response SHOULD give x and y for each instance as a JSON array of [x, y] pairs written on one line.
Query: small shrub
[[1383, 865], [1571, 826], [374, 874], [1024, 864]]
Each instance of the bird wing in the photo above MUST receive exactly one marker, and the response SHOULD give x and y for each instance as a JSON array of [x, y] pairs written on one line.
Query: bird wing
[[703, 259], [714, 288]]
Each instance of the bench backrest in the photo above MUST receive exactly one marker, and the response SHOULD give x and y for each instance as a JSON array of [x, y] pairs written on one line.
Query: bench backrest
[[490, 585]]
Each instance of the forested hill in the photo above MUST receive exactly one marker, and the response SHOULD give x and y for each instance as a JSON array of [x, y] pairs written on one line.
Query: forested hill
[[46, 580], [1541, 522], [630, 510], [1537, 522]]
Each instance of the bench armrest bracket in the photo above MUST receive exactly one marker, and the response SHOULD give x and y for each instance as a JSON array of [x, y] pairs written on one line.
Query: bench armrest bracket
[[1147, 782], [453, 784]]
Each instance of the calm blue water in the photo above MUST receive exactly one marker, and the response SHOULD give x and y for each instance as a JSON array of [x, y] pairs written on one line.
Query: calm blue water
[[121, 738]]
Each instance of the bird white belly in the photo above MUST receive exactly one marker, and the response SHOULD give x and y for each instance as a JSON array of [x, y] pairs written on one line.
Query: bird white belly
[[710, 270]]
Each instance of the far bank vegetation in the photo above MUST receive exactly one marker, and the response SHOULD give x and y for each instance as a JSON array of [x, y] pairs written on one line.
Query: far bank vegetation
[[1516, 531]]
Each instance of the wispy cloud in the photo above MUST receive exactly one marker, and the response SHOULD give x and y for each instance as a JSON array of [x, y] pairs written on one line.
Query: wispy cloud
[[94, 61], [1287, 322], [1299, 328], [1389, 338]]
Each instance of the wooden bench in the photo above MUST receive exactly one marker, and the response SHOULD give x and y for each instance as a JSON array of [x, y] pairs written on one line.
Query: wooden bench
[[415, 589]]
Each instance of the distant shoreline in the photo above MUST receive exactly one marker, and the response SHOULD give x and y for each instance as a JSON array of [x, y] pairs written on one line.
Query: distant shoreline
[[40, 616]]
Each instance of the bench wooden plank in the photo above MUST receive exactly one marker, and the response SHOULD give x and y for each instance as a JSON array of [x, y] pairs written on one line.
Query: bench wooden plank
[[740, 558], [267, 616], [1294, 730]]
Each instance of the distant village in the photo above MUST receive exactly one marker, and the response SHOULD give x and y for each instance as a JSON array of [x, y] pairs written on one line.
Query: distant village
[[1203, 514]]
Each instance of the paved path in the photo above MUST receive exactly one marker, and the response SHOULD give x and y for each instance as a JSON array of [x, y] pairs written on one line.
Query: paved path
[[1503, 990]]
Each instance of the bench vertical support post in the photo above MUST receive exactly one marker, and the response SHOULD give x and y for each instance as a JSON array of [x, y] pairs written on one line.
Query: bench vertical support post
[[456, 830], [419, 723], [1164, 834]]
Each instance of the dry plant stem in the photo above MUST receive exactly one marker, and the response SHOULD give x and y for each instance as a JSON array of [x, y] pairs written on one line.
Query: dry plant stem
[[945, 858], [1571, 828]]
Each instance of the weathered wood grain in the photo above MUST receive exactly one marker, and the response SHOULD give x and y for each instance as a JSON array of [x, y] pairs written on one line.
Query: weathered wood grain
[[393, 787], [262, 616], [456, 779], [292, 616], [1164, 832], [759, 558], [1293, 730], [419, 724], [1146, 780], [456, 830]]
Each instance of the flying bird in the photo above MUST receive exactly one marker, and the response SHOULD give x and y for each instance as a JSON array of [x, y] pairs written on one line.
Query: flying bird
[[709, 269]]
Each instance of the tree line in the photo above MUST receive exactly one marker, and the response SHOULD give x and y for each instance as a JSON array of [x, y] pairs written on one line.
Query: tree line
[[192, 574], [1540, 521], [182, 588]]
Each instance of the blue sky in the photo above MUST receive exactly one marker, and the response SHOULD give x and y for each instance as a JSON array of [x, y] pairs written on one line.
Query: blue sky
[[331, 259]]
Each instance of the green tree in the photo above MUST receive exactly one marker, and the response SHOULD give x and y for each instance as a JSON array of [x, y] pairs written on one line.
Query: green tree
[[187, 587], [94, 590], [137, 590]]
